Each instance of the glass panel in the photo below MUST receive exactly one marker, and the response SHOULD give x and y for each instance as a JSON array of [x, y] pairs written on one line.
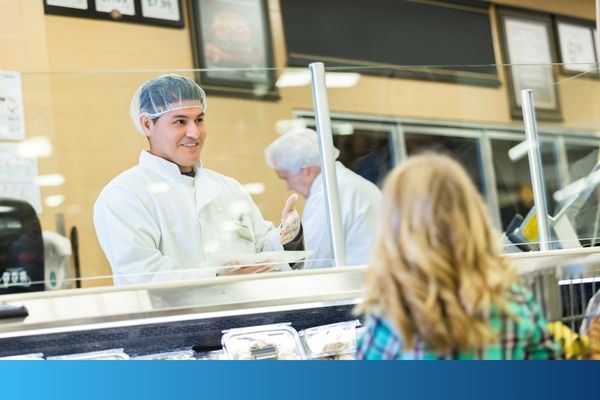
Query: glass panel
[[515, 192], [366, 155], [580, 158], [465, 150], [79, 139], [578, 201], [367, 149], [366, 152], [392, 118], [576, 215], [79, 136]]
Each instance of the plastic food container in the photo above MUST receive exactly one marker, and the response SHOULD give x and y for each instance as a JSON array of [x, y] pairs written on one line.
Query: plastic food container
[[170, 355], [212, 355], [112, 354], [329, 340], [265, 342], [31, 356]]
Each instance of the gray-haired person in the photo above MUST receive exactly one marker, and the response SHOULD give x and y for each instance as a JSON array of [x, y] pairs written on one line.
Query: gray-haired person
[[296, 159]]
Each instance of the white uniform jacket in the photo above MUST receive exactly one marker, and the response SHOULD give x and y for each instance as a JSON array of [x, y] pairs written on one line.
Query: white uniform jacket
[[155, 224], [359, 201]]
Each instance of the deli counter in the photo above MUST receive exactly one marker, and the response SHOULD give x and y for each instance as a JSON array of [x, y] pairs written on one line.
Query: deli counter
[[158, 318], [194, 317]]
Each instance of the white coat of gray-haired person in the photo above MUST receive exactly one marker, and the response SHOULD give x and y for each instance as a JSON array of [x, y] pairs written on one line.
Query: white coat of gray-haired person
[[163, 218], [295, 157]]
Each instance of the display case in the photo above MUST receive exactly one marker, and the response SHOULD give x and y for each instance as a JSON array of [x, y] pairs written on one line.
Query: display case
[[147, 319], [144, 320]]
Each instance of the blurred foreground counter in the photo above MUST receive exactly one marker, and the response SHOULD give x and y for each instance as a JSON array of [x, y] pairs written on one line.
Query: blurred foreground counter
[[148, 319], [186, 320]]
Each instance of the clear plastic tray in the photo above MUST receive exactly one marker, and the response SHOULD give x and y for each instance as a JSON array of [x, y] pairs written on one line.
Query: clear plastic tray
[[170, 355], [32, 356], [212, 355], [265, 342], [112, 354], [330, 340], [338, 357]]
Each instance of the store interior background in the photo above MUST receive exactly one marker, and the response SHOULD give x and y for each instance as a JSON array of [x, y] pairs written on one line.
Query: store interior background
[[93, 138]]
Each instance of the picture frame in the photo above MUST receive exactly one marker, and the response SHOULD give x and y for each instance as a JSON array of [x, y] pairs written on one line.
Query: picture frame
[[529, 54], [165, 13], [576, 46], [232, 48]]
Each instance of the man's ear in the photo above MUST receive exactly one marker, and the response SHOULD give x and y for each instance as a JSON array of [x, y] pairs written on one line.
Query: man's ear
[[147, 125], [305, 171], [310, 172]]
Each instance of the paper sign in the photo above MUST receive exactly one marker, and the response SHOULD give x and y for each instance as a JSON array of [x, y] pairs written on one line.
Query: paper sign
[[79, 4], [161, 9], [12, 119], [18, 176], [125, 7]]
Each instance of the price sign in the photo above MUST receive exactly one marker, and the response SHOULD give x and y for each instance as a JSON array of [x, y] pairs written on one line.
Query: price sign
[[125, 7], [78, 4], [161, 9]]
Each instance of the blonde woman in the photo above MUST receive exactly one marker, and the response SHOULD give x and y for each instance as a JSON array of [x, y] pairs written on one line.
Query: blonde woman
[[438, 287]]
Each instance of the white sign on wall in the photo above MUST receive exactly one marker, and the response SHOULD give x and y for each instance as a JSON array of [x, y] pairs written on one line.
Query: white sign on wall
[[12, 117], [161, 9], [18, 176], [79, 4], [125, 7]]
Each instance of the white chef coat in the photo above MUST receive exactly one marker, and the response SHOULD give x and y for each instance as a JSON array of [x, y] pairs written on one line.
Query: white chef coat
[[155, 224], [359, 201]]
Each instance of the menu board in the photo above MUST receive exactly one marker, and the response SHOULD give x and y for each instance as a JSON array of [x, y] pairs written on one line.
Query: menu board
[[152, 12]]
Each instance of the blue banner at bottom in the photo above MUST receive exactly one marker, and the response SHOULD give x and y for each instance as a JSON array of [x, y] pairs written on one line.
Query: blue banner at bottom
[[299, 380]]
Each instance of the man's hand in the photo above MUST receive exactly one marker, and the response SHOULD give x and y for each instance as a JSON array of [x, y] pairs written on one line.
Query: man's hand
[[290, 220]]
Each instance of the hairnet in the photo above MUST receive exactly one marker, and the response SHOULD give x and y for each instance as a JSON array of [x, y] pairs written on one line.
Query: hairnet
[[295, 150], [163, 94]]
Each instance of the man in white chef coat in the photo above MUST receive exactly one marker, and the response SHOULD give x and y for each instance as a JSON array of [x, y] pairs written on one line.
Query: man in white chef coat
[[162, 219], [296, 159]]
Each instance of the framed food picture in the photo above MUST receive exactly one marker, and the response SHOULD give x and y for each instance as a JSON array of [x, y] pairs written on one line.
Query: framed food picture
[[232, 47]]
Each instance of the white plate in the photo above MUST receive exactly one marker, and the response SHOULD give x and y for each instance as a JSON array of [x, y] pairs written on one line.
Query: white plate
[[266, 257]]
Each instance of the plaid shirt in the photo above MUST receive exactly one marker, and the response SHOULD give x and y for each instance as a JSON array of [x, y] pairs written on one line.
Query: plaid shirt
[[525, 338]]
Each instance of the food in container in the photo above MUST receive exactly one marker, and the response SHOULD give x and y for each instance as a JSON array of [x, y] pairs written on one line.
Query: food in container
[[171, 355], [333, 339], [265, 342]]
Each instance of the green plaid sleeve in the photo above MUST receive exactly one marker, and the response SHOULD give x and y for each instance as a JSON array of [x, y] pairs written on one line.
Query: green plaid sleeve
[[379, 341]]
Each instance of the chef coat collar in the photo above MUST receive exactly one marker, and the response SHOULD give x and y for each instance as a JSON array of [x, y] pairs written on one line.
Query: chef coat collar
[[164, 168], [206, 187]]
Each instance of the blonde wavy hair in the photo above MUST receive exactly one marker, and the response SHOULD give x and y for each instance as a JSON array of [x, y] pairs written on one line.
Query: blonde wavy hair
[[436, 269]]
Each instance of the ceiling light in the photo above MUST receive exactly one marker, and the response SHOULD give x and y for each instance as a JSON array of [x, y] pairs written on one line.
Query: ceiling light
[[35, 147], [54, 201], [50, 180], [254, 188]]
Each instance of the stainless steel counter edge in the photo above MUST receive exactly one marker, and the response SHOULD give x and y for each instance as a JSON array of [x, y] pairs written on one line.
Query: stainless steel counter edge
[[94, 308]]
